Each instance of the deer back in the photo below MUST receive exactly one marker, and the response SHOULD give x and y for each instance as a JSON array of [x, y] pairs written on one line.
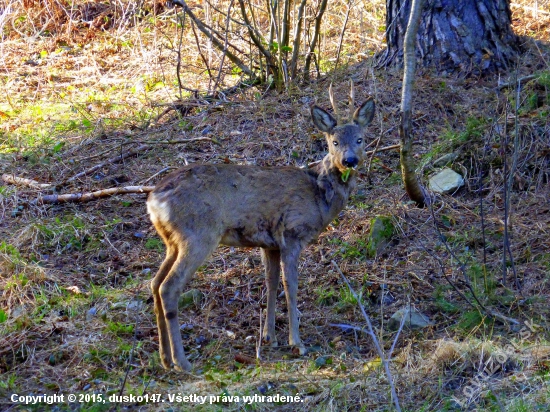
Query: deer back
[[263, 206]]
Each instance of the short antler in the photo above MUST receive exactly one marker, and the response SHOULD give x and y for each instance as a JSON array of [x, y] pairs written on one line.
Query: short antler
[[351, 99], [332, 101]]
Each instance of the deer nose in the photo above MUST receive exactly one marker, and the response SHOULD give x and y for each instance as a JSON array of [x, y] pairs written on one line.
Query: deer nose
[[350, 161]]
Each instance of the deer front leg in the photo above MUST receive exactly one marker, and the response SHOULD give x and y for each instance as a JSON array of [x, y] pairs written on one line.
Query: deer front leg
[[289, 260], [272, 263]]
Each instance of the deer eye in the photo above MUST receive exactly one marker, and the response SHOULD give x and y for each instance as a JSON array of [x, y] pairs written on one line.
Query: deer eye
[[335, 143], [359, 141]]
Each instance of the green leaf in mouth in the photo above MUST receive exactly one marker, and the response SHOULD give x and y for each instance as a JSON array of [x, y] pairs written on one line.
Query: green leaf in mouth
[[345, 174]]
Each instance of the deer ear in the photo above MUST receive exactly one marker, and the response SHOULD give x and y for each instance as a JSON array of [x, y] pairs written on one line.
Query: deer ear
[[363, 115], [324, 121]]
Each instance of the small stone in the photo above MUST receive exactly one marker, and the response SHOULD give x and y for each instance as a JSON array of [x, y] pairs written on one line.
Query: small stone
[[192, 297], [55, 358], [134, 305], [413, 319], [91, 313], [18, 311], [262, 389], [446, 181], [321, 361]]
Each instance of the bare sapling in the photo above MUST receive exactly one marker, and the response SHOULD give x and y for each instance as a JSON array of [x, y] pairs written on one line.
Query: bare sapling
[[279, 209]]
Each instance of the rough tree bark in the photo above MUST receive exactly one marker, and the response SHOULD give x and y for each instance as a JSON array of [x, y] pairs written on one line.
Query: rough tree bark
[[472, 36]]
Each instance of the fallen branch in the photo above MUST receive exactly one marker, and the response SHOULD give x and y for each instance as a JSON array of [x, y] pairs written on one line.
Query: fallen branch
[[16, 180], [158, 173], [384, 149], [129, 153], [180, 141], [247, 360], [86, 197], [517, 83], [115, 159]]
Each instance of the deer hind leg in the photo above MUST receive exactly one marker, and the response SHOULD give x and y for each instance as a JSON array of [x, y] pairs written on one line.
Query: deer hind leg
[[192, 252], [164, 339], [272, 263], [289, 260]]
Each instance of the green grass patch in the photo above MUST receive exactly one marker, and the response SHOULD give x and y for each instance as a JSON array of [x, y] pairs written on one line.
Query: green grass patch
[[470, 320], [154, 244], [120, 329]]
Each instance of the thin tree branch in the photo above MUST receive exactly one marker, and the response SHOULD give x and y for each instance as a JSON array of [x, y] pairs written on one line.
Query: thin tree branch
[[203, 58], [254, 36], [297, 39], [508, 182], [462, 267], [208, 32], [342, 33], [316, 33], [178, 53], [224, 47], [372, 334], [115, 159], [161, 171]]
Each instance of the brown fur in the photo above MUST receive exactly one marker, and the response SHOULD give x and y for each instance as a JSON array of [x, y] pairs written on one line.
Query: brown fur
[[280, 209]]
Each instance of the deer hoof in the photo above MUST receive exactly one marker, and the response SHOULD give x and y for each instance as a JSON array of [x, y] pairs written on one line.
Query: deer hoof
[[299, 350], [166, 361], [183, 366], [268, 341]]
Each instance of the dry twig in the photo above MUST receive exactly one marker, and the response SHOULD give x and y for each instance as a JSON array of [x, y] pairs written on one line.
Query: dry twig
[[16, 180], [115, 159], [370, 331], [86, 197]]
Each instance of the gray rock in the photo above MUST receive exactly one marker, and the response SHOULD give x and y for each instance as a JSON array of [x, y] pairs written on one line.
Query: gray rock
[[445, 160], [91, 313], [446, 181], [192, 297], [381, 232], [413, 319], [18, 311], [134, 305]]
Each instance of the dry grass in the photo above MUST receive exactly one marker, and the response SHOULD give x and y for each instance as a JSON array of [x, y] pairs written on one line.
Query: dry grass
[[74, 278]]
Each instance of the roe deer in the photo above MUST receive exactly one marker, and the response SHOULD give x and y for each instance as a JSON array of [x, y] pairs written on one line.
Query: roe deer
[[279, 209]]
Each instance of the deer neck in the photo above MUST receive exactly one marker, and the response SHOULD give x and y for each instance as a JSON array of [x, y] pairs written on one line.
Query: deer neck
[[335, 191]]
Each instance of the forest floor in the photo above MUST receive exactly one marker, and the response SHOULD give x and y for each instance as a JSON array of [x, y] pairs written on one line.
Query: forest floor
[[76, 311]]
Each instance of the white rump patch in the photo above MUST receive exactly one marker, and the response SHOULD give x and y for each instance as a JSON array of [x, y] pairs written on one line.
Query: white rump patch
[[158, 210]]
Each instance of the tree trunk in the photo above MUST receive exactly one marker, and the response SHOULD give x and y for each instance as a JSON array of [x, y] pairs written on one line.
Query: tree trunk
[[472, 36], [408, 170]]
